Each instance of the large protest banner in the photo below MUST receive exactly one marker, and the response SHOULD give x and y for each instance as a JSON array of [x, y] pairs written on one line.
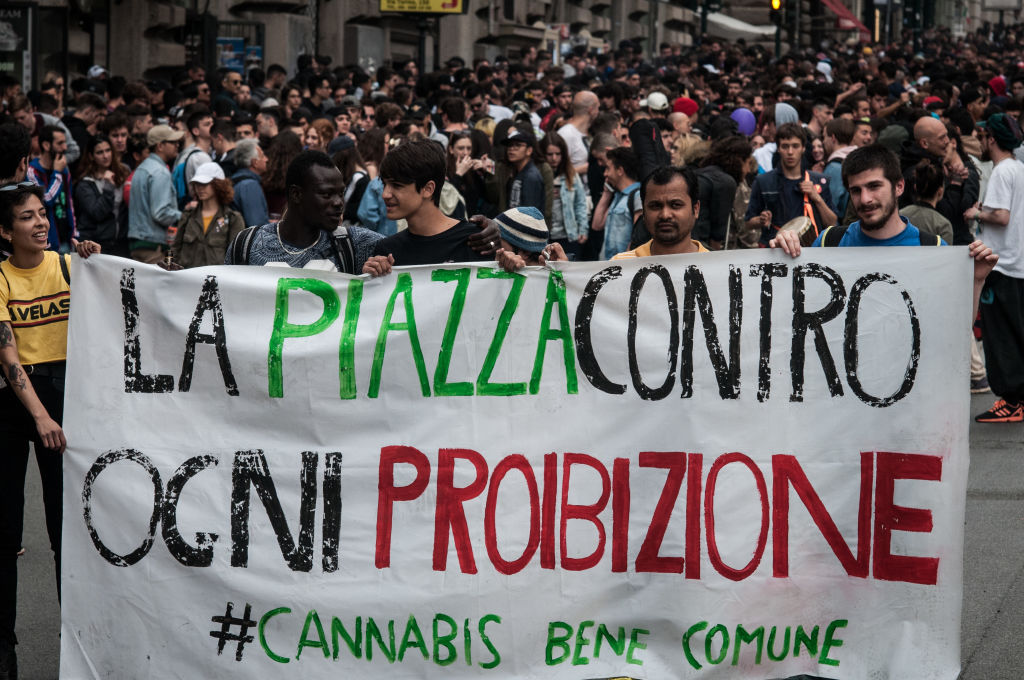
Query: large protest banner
[[728, 465]]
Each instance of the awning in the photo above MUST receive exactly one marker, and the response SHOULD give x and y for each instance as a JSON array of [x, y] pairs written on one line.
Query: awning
[[722, 26], [847, 20]]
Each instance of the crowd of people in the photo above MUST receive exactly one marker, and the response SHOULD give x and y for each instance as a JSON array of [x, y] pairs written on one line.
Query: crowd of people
[[524, 159]]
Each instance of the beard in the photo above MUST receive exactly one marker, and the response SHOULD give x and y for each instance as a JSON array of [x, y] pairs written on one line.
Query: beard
[[884, 212]]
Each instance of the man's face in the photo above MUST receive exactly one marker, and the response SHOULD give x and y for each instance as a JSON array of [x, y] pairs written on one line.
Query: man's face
[[734, 89], [119, 139], [668, 212], [142, 124], [204, 93], [259, 164], [168, 150], [25, 119], [323, 89], [58, 147], [202, 130], [822, 114], [666, 138], [863, 134], [321, 200], [977, 107], [343, 123], [245, 131], [758, 104], [232, 82], [633, 80], [294, 99], [266, 124], [244, 94], [874, 198], [516, 152], [878, 102], [198, 73], [790, 151], [613, 174], [863, 109], [1017, 89], [477, 105], [402, 200], [564, 100], [936, 142], [393, 82]]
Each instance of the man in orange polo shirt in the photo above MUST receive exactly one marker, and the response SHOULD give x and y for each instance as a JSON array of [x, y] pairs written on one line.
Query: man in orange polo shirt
[[671, 206]]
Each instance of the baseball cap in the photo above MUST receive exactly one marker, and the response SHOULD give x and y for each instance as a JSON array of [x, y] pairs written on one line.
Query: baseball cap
[[339, 144], [656, 101], [162, 133], [519, 136], [207, 172], [97, 71]]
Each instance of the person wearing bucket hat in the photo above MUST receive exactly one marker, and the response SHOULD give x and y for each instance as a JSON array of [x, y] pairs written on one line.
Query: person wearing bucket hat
[[1001, 215], [209, 224]]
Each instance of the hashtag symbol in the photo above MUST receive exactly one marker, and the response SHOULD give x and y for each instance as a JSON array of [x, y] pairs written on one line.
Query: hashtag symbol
[[224, 635]]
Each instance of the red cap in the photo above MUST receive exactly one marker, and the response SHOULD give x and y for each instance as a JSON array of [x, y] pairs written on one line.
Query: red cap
[[932, 100], [685, 105]]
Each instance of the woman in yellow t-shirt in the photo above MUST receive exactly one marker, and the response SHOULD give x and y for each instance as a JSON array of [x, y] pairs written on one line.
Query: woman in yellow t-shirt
[[35, 296]]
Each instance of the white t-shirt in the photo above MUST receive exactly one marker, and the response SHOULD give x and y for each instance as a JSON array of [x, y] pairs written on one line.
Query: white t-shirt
[[764, 156], [1006, 192], [574, 140]]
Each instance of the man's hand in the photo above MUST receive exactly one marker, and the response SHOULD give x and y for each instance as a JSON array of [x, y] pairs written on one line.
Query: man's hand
[[972, 212], [509, 261], [764, 219], [60, 162], [487, 241], [553, 252], [807, 187], [51, 433], [379, 265], [786, 241], [984, 260], [85, 248]]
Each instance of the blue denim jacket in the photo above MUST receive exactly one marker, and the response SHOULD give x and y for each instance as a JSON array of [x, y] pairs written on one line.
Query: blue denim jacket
[[575, 218], [618, 226], [372, 213], [152, 203]]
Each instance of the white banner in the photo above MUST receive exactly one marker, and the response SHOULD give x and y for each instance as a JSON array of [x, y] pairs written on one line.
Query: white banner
[[728, 465]]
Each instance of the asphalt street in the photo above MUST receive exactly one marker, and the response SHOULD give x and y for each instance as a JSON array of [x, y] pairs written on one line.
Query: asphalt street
[[993, 611]]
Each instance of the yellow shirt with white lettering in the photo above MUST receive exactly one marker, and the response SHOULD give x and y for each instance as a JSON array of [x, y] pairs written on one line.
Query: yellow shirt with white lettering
[[37, 302]]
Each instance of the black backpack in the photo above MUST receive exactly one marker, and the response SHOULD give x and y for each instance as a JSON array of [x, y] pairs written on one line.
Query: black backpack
[[341, 244]]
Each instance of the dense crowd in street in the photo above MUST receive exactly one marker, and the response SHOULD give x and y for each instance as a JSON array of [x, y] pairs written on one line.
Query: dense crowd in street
[[526, 158]]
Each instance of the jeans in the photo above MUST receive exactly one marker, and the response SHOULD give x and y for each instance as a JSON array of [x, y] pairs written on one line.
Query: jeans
[[17, 429]]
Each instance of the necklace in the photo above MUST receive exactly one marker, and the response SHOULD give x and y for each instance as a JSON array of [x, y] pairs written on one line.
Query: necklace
[[293, 252]]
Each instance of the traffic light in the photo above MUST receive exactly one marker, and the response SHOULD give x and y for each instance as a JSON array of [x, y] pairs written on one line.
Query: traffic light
[[776, 12]]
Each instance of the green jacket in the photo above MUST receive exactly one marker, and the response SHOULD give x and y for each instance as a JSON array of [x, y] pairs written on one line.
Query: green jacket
[[194, 248]]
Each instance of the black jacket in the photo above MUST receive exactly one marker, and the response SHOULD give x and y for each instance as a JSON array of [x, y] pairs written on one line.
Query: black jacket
[[94, 214], [958, 196]]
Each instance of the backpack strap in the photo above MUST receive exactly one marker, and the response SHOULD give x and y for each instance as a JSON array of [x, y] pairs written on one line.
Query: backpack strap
[[344, 251], [242, 245], [831, 237], [63, 269]]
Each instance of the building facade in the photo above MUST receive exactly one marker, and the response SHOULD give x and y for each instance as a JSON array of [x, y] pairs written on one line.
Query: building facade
[[144, 38]]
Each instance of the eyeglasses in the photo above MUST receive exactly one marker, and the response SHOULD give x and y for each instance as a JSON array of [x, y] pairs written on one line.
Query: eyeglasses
[[19, 185]]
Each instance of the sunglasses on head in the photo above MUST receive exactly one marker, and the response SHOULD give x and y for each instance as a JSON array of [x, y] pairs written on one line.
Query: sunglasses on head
[[19, 185]]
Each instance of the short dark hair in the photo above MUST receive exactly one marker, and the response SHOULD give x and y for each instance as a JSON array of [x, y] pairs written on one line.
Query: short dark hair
[[869, 158], [454, 109], [791, 131], [223, 128], [9, 200], [47, 133], [842, 129], [90, 100], [299, 170], [928, 178], [416, 162], [626, 160], [666, 173], [194, 118], [15, 145]]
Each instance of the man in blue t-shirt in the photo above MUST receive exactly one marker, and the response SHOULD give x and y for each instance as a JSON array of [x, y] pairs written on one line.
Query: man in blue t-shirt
[[872, 176]]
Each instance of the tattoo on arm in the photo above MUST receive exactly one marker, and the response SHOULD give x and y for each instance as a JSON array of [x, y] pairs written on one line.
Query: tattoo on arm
[[6, 335], [16, 377]]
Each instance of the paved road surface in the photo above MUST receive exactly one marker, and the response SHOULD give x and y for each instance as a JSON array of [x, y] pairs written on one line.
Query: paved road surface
[[993, 613]]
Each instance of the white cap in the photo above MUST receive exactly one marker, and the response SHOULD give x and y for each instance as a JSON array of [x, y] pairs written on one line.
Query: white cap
[[207, 172], [656, 101], [268, 103], [96, 71]]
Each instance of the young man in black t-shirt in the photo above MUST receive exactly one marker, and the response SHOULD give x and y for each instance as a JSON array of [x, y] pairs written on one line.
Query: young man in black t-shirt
[[413, 174]]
